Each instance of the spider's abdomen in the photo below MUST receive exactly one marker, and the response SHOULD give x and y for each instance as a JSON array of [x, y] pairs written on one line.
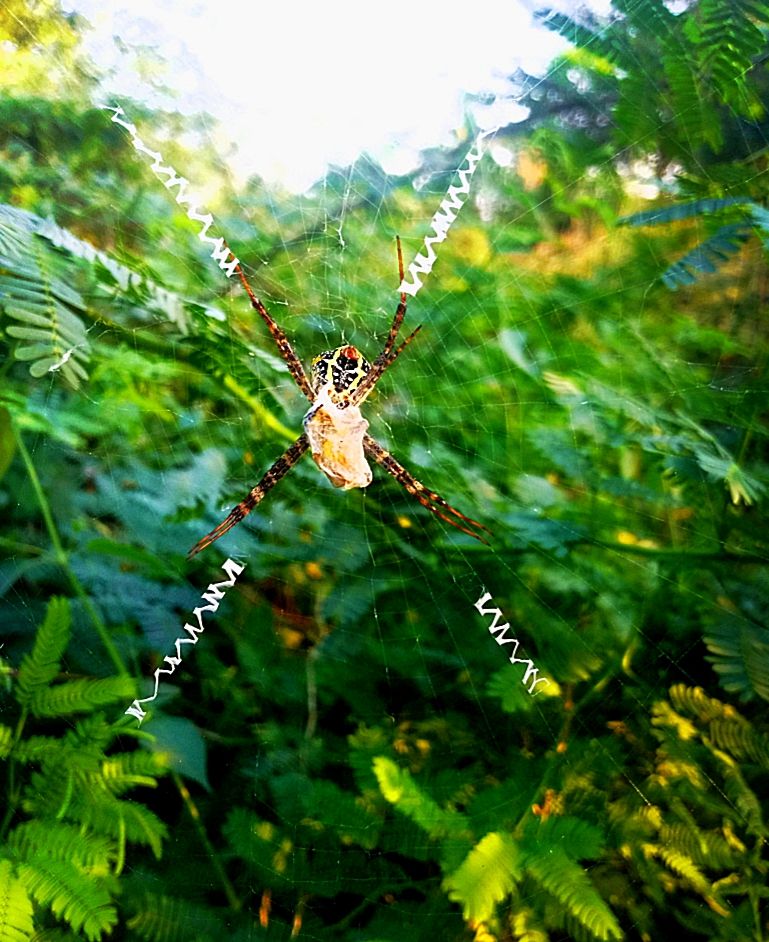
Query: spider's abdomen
[[340, 371]]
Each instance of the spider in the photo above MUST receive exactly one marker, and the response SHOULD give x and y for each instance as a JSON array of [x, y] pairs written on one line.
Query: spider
[[334, 429]]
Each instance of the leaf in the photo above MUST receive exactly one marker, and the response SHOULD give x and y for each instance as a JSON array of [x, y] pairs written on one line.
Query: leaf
[[728, 38], [739, 653], [79, 898], [82, 696], [569, 884], [579, 839], [400, 789], [485, 877], [743, 487], [534, 529], [40, 667], [48, 312], [678, 211], [182, 747], [708, 255], [760, 217], [513, 344], [109, 270], [65, 842], [161, 918], [15, 907]]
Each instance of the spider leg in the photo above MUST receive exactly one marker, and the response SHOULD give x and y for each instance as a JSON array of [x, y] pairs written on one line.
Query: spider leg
[[284, 347], [388, 356], [400, 312], [375, 373], [257, 493], [427, 498]]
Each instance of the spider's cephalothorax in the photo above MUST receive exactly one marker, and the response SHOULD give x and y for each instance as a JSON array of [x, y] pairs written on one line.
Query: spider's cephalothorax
[[341, 370], [334, 429]]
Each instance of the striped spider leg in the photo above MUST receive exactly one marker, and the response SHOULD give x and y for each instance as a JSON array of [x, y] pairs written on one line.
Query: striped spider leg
[[334, 429], [427, 498], [256, 495]]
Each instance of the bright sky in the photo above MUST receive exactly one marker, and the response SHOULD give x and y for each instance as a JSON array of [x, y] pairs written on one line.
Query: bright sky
[[299, 84]]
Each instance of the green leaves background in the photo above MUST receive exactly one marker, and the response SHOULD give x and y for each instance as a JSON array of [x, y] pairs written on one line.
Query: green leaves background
[[346, 754]]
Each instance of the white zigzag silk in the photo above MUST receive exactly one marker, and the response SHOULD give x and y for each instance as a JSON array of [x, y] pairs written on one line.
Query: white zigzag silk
[[443, 219], [220, 252]]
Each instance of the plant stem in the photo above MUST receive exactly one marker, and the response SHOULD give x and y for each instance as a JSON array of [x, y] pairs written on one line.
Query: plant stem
[[62, 558], [14, 790], [260, 411], [192, 810], [692, 556]]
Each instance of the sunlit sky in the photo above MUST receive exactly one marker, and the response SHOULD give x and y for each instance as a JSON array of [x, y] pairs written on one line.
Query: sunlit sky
[[297, 84]]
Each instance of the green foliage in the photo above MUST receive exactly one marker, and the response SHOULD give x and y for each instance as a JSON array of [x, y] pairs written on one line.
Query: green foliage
[[353, 754], [42, 665], [46, 312], [67, 850], [163, 919], [704, 60], [15, 907], [728, 39], [739, 651], [713, 251], [83, 903], [399, 789], [561, 877], [485, 877]]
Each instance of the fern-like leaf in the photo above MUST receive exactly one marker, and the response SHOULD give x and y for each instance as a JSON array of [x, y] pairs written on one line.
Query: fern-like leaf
[[400, 789], [15, 907], [141, 826], [678, 211], [579, 839], [65, 842], [165, 919], [78, 898], [485, 877], [708, 255], [37, 749], [739, 653], [745, 801], [740, 739], [728, 39], [78, 696], [18, 229], [40, 667], [129, 769], [682, 865], [695, 118], [695, 702], [564, 879], [48, 312]]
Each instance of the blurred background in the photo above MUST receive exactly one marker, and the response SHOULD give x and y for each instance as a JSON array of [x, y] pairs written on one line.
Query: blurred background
[[346, 753]]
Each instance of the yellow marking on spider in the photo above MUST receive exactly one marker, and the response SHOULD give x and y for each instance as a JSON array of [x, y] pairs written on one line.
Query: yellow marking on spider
[[341, 370]]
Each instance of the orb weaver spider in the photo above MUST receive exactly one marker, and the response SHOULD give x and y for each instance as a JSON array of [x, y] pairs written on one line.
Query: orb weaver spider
[[334, 429]]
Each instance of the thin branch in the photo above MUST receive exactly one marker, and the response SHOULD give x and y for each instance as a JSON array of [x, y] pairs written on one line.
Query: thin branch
[[62, 558]]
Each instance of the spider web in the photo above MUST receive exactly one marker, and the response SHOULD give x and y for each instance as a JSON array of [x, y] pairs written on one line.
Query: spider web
[[497, 358]]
